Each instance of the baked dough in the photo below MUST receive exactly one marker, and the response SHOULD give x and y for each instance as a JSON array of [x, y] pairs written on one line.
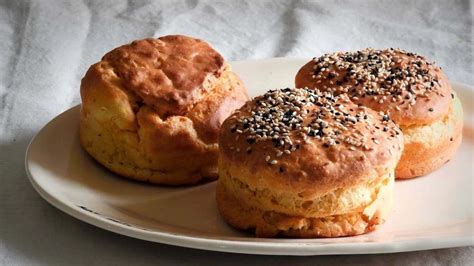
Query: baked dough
[[302, 163], [414, 92], [152, 109]]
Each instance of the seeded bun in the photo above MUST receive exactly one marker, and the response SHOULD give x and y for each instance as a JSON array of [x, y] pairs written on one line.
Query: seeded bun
[[301, 163], [414, 92], [152, 109]]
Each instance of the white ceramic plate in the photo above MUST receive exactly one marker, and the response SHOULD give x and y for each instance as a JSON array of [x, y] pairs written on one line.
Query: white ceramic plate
[[435, 211]]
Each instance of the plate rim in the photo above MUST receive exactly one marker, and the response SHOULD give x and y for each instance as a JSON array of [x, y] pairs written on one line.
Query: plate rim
[[296, 247]]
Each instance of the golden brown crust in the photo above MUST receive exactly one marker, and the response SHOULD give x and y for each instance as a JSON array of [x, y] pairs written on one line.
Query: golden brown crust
[[428, 147], [337, 159], [166, 73], [165, 136], [413, 104]]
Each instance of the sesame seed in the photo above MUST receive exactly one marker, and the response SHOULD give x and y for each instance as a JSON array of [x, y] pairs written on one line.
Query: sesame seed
[[379, 73]]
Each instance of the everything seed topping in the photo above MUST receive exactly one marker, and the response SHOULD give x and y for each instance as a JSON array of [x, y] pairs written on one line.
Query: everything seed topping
[[390, 75], [290, 118]]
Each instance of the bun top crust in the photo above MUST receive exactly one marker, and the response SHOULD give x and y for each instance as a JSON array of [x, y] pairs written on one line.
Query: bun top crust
[[308, 141], [170, 77], [166, 73], [412, 90]]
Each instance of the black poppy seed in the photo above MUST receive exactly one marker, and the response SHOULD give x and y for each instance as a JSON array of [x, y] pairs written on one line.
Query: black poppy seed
[[431, 109]]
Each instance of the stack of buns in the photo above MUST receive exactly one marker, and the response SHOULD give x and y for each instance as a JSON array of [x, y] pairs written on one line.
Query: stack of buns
[[317, 160]]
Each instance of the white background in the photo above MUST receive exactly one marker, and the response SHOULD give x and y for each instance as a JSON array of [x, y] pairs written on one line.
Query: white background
[[46, 47]]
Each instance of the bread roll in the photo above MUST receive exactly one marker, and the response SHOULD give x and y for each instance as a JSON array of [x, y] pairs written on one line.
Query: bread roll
[[152, 109], [302, 163], [414, 92]]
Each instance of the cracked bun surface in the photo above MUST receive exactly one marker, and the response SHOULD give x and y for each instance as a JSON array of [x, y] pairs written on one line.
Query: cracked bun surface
[[414, 92], [305, 163], [152, 109]]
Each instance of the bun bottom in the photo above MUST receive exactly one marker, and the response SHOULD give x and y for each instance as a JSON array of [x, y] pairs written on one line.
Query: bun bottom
[[155, 176], [273, 224], [101, 146], [428, 147]]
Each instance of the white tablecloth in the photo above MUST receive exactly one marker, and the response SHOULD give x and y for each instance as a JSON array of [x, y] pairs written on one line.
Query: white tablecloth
[[46, 46]]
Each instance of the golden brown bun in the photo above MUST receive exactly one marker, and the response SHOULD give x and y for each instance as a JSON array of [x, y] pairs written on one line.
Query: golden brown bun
[[414, 92], [315, 163], [152, 109]]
